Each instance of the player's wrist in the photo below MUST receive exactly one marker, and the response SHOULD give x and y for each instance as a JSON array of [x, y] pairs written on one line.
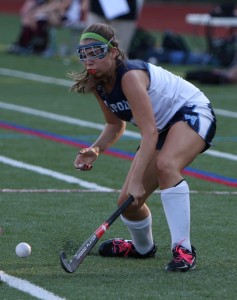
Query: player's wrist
[[96, 150]]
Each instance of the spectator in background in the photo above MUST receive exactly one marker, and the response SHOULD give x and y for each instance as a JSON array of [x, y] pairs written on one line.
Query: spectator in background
[[37, 17], [215, 76], [30, 28], [175, 50], [225, 9], [125, 24], [223, 48]]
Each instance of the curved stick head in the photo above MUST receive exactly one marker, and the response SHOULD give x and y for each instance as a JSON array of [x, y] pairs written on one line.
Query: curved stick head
[[64, 263]]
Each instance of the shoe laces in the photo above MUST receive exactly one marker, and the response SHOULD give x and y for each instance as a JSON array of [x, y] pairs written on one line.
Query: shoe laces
[[122, 246], [182, 254]]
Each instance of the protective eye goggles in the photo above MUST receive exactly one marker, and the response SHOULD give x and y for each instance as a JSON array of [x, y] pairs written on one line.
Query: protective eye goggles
[[92, 51]]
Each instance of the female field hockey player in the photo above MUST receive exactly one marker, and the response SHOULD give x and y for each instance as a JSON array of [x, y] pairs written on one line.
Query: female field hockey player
[[176, 122]]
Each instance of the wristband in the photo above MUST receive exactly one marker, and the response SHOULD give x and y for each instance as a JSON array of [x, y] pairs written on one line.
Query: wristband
[[96, 150]]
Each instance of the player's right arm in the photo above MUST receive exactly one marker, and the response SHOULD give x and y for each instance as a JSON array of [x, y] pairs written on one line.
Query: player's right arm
[[112, 131]]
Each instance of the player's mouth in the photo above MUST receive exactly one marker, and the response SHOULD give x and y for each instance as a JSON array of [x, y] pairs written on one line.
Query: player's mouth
[[91, 71]]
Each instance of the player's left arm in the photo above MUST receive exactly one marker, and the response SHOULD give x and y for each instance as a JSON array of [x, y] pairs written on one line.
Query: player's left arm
[[134, 85]]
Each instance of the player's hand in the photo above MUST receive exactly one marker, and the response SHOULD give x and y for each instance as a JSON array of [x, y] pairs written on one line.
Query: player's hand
[[85, 158], [137, 191]]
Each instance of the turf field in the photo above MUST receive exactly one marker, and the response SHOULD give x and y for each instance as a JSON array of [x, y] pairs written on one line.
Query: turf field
[[45, 202]]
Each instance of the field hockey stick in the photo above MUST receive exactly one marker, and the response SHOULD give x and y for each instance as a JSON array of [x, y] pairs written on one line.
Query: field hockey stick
[[89, 244]]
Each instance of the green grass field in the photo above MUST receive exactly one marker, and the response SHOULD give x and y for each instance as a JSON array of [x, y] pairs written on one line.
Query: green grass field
[[46, 209]]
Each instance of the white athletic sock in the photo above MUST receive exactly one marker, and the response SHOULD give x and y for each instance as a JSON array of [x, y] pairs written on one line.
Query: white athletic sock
[[176, 204], [141, 233]]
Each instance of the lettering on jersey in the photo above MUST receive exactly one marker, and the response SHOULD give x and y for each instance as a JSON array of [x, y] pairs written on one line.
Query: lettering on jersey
[[191, 118], [118, 106]]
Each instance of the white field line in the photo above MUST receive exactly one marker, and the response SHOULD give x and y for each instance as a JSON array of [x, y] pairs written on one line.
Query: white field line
[[222, 154], [100, 191], [69, 83], [82, 123], [54, 174], [60, 118], [35, 77], [226, 113], [27, 287]]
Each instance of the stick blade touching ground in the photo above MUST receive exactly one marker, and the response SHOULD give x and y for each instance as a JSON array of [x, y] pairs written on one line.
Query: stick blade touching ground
[[64, 263], [88, 245]]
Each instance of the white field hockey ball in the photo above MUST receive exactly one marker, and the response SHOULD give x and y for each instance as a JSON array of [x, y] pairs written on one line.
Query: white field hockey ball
[[23, 250]]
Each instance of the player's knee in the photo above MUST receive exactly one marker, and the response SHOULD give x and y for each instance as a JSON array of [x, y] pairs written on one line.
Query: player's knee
[[165, 167]]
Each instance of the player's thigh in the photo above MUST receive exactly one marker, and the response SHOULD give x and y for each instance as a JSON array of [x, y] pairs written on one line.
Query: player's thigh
[[181, 146]]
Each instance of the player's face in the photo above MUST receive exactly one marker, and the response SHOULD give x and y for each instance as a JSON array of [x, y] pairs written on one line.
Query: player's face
[[97, 57]]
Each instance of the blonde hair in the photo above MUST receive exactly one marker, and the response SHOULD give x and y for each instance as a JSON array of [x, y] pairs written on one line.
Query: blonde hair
[[85, 83]]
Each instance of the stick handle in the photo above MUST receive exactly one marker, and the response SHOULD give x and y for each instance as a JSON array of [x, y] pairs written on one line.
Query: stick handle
[[120, 210]]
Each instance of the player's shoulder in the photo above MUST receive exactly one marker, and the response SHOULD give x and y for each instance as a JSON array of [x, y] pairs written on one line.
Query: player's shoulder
[[130, 68], [129, 64]]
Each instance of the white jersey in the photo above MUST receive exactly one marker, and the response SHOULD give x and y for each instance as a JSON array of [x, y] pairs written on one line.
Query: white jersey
[[167, 92]]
